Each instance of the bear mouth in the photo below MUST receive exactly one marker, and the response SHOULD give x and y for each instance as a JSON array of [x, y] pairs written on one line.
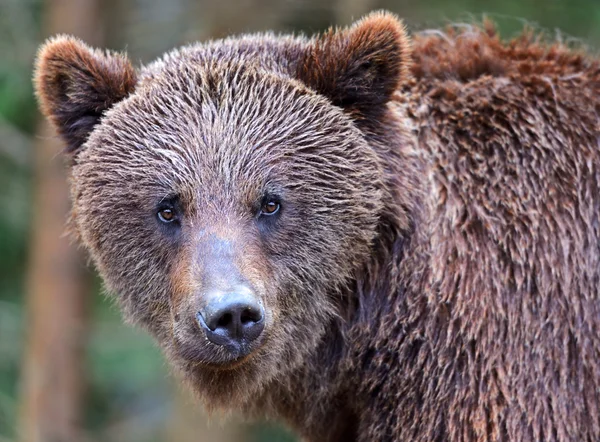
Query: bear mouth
[[221, 357]]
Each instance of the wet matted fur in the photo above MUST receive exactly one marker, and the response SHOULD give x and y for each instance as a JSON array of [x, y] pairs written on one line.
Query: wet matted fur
[[434, 272]]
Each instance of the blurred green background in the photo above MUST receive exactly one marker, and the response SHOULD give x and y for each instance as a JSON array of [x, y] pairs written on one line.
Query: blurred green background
[[122, 390]]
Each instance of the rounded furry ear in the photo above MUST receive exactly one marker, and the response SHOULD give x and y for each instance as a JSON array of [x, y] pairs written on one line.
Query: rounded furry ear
[[75, 84], [360, 67]]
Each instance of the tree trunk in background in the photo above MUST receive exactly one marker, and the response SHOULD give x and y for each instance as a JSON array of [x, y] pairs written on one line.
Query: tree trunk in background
[[52, 406]]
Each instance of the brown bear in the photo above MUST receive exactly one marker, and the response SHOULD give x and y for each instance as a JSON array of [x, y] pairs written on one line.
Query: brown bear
[[368, 238]]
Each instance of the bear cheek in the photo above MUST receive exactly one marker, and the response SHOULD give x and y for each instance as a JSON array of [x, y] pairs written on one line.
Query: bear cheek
[[130, 257], [184, 284]]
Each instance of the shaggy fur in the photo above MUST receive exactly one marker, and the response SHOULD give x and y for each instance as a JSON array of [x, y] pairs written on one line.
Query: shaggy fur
[[434, 271]]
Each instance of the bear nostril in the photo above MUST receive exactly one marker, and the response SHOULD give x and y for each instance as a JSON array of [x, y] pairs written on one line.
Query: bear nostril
[[235, 318], [250, 315], [224, 321]]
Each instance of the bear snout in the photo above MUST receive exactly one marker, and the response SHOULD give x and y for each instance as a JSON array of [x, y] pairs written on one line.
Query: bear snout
[[220, 312], [233, 320]]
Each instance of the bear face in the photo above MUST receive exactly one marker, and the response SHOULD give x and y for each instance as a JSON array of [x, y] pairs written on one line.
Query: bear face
[[228, 192]]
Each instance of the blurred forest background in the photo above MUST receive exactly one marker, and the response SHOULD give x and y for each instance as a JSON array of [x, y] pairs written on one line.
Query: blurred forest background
[[69, 369]]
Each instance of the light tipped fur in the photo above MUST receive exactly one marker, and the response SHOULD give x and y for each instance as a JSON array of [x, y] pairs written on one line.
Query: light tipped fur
[[360, 67], [76, 84], [435, 271]]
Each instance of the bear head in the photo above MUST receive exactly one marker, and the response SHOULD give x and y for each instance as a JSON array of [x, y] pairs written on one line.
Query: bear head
[[228, 192]]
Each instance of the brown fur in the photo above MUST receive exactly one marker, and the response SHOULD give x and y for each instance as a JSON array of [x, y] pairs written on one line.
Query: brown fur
[[435, 270], [76, 85]]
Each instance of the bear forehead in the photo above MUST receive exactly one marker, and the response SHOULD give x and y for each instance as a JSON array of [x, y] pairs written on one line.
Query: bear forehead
[[224, 103], [199, 121], [278, 54]]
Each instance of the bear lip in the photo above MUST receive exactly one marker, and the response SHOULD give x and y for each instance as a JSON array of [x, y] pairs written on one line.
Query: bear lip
[[210, 355]]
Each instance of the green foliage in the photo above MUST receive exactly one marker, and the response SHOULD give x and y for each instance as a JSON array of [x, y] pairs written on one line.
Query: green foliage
[[126, 371]]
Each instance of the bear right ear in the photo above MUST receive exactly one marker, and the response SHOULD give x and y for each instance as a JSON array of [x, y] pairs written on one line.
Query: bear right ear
[[75, 84]]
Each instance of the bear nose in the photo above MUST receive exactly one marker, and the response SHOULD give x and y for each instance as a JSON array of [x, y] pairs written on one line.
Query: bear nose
[[232, 318]]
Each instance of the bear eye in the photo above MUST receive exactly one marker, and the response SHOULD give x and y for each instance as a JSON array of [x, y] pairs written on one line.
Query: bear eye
[[270, 207], [166, 215], [169, 211]]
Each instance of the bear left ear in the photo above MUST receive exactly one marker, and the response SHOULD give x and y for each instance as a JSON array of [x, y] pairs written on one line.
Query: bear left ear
[[75, 84], [360, 67]]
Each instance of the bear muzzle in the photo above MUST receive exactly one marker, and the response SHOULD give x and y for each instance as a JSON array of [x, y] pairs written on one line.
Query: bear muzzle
[[219, 314]]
